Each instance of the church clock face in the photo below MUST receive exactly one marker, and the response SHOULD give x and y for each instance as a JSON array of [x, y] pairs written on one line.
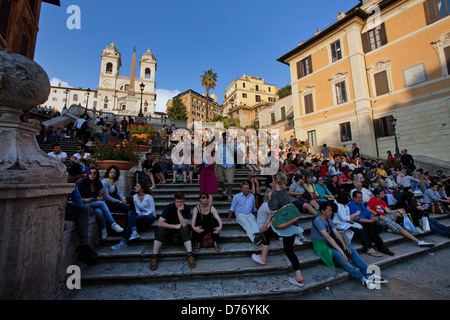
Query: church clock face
[[107, 82]]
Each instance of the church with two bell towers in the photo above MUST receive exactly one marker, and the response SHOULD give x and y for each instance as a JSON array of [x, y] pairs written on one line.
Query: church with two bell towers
[[122, 94]]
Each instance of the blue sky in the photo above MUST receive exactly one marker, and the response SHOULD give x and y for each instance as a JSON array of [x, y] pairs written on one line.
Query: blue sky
[[187, 37]]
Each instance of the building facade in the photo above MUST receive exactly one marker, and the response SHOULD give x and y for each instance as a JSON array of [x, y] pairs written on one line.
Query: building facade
[[381, 60], [122, 94], [248, 91], [116, 94], [196, 105], [279, 116]]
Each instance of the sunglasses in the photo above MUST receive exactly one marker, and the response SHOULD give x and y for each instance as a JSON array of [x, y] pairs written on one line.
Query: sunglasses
[[203, 197]]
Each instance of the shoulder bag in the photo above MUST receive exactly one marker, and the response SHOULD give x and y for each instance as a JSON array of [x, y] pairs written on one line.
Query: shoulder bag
[[286, 216]]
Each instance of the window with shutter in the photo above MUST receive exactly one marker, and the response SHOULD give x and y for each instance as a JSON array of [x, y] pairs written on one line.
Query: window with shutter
[[447, 58], [312, 137], [309, 108], [304, 67], [341, 94], [383, 127], [375, 38], [436, 9], [381, 83], [346, 132], [336, 53]]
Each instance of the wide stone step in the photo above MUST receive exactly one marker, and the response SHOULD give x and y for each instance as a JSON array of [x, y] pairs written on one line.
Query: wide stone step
[[229, 277], [233, 242]]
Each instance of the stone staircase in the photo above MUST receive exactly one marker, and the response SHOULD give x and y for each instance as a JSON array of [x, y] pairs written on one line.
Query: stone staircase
[[229, 274]]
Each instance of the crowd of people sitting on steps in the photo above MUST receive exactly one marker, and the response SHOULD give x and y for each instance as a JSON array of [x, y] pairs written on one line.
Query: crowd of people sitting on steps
[[350, 198]]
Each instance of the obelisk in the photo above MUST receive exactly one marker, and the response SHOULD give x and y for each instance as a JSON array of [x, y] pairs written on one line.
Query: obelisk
[[130, 100], [131, 92]]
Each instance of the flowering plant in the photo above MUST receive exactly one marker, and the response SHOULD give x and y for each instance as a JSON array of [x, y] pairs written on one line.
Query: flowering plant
[[335, 152], [392, 163], [143, 129], [124, 150], [141, 139]]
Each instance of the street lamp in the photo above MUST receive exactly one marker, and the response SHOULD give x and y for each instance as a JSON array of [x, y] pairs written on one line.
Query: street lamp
[[87, 102], [394, 123], [66, 92], [232, 105], [142, 85]]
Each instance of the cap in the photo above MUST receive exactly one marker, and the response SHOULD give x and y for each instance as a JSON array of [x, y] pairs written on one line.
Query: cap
[[78, 168]]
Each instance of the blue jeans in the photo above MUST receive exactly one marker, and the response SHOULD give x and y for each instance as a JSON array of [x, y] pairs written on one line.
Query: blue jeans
[[356, 259], [437, 227], [135, 220], [102, 212]]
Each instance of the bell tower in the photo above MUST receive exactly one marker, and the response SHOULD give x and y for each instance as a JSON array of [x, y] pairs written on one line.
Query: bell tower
[[110, 66], [147, 76]]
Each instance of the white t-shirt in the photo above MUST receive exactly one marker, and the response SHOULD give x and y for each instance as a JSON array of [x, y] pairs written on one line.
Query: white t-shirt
[[58, 156], [78, 156]]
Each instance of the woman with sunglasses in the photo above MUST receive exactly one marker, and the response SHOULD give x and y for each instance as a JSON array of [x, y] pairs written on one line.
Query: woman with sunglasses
[[205, 219], [91, 190]]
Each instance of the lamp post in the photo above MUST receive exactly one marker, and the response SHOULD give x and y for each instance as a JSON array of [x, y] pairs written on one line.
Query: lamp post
[[232, 105], [394, 123], [66, 92], [142, 85], [87, 102]]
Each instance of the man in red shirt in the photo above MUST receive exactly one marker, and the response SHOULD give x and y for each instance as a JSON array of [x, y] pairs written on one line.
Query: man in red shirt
[[386, 217]]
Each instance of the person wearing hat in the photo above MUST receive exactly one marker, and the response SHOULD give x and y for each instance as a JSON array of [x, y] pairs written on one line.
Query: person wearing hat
[[79, 213]]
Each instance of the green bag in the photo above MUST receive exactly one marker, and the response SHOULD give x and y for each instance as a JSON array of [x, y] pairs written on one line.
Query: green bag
[[285, 217]]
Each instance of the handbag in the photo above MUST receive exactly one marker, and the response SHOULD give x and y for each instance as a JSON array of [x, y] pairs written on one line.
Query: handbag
[[286, 216], [306, 196], [425, 224], [408, 225]]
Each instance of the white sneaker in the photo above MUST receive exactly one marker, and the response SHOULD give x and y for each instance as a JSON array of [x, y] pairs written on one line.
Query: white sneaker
[[422, 243], [378, 279], [116, 228], [302, 237], [104, 234], [298, 242], [152, 187], [120, 245], [134, 235]]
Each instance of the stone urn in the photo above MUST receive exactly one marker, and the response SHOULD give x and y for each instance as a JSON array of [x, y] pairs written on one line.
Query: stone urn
[[33, 188]]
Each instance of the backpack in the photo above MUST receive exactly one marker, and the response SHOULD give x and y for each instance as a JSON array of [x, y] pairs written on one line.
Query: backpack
[[436, 207]]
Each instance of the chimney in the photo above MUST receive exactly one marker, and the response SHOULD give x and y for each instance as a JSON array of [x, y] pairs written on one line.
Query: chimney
[[300, 43], [318, 31], [341, 15]]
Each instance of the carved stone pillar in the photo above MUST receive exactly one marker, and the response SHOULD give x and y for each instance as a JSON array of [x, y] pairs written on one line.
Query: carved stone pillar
[[33, 188]]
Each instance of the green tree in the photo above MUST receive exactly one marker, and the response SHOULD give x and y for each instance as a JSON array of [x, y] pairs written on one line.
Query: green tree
[[209, 79], [285, 91], [177, 111]]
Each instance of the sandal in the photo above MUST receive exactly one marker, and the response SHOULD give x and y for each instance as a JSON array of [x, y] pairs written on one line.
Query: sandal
[[375, 254], [197, 247], [217, 246]]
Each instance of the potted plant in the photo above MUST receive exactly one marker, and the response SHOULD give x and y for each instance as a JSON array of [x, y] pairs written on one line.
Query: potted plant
[[123, 154], [142, 135]]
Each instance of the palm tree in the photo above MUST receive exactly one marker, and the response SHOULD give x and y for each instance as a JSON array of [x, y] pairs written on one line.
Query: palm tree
[[209, 80]]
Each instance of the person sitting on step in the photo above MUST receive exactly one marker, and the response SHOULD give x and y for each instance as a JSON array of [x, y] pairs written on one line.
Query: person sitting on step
[[205, 219], [243, 206], [174, 219], [144, 215], [386, 217], [91, 190]]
